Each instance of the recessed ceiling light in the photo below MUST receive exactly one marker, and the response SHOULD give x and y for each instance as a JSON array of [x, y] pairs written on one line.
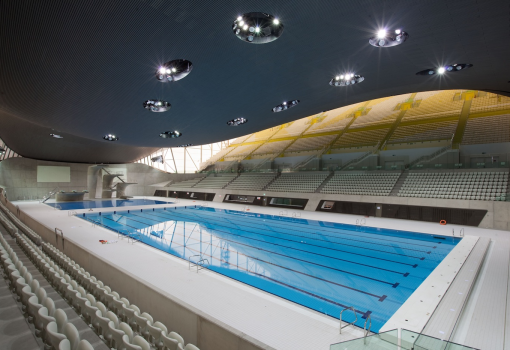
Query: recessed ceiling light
[[450, 68], [56, 136], [386, 38], [285, 105], [156, 105], [347, 79], [174, 70], [258, 28], [237, 121], [170, 134], [110, 137]]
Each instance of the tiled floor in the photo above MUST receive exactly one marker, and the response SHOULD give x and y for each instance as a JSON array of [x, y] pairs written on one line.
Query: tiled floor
[[276, 322]]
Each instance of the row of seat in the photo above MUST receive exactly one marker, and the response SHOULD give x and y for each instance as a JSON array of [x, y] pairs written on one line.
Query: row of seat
[[120, 324], [50, 323], [251, 181]]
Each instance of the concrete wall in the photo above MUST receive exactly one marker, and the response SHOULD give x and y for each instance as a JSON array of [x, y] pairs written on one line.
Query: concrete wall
[[497, 217], [19, 177]]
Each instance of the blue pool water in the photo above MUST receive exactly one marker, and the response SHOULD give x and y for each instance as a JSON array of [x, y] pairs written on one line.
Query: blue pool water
[[321, 265], [104, 203]]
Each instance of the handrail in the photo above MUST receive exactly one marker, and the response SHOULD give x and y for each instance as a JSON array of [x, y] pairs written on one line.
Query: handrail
[[56, 236], [355, 315], [365, 330], [200, 264]]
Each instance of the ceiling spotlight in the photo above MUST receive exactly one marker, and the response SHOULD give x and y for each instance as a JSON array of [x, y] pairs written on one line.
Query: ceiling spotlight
[[388, 39], [56, 136], [445, 69], [263, 28], [237, 121], [156, 105], [348, 79], [174, 70], [2, 151], [110, 137], [285, 105], [186, 145], [170, 134]]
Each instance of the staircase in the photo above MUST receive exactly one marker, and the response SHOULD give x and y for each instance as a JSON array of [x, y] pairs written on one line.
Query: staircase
[[430, 157], [357, 160], [400, 182], [326, 180], [48, 196], [270, 182]]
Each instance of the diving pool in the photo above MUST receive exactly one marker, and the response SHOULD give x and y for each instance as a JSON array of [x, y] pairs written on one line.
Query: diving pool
[[104, 203], [321, 265]]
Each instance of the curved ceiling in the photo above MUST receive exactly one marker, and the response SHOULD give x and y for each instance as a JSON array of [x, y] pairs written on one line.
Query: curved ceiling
[[84, 68]]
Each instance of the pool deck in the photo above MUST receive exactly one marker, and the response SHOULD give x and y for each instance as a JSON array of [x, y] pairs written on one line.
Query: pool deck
[[272, 322]]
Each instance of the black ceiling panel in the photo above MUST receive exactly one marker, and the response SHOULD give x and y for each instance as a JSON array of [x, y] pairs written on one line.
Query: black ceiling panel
[[84, 68]]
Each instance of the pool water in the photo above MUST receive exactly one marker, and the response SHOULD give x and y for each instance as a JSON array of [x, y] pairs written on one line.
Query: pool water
[[324, 266], [104, 203]]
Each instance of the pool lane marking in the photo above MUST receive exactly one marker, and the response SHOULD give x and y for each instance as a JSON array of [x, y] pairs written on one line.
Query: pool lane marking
[[326, 228], [301, 250], [306, 261], [310, 244], [379, 297], [325, 241], [394, 285]]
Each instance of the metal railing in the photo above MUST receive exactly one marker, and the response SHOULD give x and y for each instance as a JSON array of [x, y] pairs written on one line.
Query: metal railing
[[349, 324], [200, 264]]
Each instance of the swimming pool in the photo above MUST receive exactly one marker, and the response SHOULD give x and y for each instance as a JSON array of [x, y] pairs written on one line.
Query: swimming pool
[[104, 203], [321, 265]]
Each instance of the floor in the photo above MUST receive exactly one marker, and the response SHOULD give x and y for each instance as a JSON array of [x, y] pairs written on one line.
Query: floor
[[276, 322]]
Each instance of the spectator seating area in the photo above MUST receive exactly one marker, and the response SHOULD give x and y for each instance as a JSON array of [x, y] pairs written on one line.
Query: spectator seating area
[[212, 181], [120, 324], [472, 185], [186, 183], [369, 184], [298, 182], [252, 182]]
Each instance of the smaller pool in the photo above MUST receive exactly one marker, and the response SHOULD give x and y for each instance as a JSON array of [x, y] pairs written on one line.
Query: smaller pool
[[104, 203]]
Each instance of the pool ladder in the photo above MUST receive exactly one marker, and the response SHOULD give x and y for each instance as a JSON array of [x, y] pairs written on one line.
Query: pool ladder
[[367, 320], [200, 264]]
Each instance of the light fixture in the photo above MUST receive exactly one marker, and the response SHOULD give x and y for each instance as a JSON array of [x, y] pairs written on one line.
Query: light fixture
[[170, 134], [174, 70], [385, 38], [156, 105], [110, 137], [237, 121], [258, 28], [2, 150], [186, 145], [346, 79], [285, 105], [450, 68], [56, 136]]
